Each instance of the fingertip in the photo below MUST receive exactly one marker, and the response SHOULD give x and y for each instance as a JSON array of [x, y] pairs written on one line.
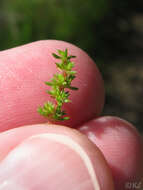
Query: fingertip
[[81, 162], [121, 145], [25, 69]]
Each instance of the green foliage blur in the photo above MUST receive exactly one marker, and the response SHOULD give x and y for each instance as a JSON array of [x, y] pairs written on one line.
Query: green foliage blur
[[73, 21], [101, 27], [109, 31]]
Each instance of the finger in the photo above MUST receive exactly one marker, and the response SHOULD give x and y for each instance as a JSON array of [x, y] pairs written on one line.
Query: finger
[[22, 89], [52, 158], [122, 147]]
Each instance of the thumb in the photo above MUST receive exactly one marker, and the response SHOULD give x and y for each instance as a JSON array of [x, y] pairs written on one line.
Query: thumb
[[50, 160]]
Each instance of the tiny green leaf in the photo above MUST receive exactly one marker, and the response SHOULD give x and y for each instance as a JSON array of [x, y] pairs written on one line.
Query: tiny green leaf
[[56, 56], [66, 118], [72, 56], [62, 53], [58, 84], [73, 88], [49, 83], [66, 52]]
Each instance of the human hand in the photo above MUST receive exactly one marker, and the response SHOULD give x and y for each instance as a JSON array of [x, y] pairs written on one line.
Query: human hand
[[41, 156]]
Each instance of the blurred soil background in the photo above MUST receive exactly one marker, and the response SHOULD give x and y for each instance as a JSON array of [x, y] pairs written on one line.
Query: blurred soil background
[[110, 31]]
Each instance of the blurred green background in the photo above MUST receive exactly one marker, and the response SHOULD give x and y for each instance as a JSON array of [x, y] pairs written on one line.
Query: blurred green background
[[110, 31]]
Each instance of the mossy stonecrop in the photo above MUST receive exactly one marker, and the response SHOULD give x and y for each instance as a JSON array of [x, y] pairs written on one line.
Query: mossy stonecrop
[[60, 81]]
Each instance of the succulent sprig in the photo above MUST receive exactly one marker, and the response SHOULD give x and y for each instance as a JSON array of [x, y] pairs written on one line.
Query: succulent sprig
[[59, 83]]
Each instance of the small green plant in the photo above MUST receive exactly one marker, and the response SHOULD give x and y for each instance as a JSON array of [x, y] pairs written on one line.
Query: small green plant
[[60, 81]]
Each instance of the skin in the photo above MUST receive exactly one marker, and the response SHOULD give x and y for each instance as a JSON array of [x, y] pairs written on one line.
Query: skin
[[122, 147], [24, 71], [51, 164], [35, 154]]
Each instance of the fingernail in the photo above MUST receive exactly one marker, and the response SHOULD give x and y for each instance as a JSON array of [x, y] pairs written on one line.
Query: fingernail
[[48, 162]]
